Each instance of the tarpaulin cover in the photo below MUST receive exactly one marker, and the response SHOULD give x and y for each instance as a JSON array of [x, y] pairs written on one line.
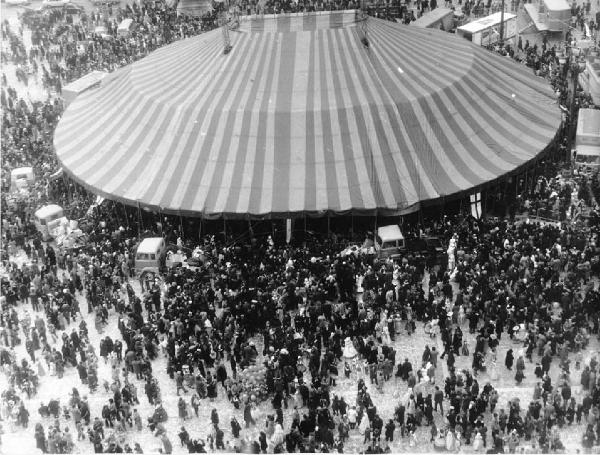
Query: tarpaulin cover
[[306, 121]]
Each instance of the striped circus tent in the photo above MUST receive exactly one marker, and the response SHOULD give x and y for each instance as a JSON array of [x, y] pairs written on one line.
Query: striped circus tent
[[302, 118]]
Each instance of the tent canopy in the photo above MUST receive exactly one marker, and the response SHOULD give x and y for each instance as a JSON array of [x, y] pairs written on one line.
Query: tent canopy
[[301, 117]]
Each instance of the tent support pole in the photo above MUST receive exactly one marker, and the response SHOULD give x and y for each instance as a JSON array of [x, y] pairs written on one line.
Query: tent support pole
[[375, 230], [328, 226], [162, 225], [139, 210], [443, 212], [305, 223], [224, 229], [200, 231], [352, 226], [181, 226], [484, 195], [504, 194], [126, 215]]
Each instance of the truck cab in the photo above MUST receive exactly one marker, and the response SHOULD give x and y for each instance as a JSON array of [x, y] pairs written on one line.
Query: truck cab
[[586, 153], [150, 255], [48, 220], [389, 241], [21, 179]]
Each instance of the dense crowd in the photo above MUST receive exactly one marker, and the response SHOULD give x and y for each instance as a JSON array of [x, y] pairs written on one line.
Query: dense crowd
[[300, 306], [269, 325]]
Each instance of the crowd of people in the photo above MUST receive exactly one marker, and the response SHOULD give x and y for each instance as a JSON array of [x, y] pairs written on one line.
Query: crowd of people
[[294, 314], [276, 347]]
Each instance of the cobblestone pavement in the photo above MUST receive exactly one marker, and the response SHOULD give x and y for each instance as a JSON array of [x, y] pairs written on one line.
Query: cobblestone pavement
[[21, 441]]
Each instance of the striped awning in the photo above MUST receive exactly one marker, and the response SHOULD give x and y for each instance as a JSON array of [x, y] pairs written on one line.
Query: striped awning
[[303, 118]]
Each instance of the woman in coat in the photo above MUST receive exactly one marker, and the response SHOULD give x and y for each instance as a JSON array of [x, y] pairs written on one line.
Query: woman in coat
[[262, 439], [211, 387], [509, 359], [182, 409]]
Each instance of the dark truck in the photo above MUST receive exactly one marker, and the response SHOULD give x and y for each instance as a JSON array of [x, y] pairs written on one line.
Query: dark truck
[[430, 248]]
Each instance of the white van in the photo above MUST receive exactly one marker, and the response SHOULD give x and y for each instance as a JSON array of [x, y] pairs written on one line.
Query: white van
[[102, 31], [126, 27], [150, 255], [48, 220], [389, 241], [21, 179], [587, 141]]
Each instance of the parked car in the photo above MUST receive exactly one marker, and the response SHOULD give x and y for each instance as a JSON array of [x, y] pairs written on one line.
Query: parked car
[[426, 245]]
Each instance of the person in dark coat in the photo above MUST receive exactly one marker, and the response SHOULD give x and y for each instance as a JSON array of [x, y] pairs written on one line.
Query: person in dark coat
[[509, 359], [248, 415], [235, 427], [211, 387], [221, 374], [262, 438], [389, 430]]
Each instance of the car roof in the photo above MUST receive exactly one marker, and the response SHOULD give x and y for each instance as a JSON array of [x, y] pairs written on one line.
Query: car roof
[[391, 232], [21, 170], [48, 210], [150, 245]]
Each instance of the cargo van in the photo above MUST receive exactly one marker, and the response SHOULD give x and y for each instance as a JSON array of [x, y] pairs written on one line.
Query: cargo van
[[389, 241], [150, 255], [48, 220], [21, 179], [587, 141], [126, 27]]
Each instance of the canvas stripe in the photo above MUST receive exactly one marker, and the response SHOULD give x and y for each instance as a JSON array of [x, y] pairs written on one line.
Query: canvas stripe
[[282, 118], [473, 105], [236, 152], [393, 191], [185, 138], [246, 178], [330, 183], [298, 153], [335, 104], [262, 137], [226, 145], [193, 165], [168, 146], [158, 143], [456, 153], [268, 171], [311, 191], [397, 99], [219, 130], [87, 121], [345, 94]]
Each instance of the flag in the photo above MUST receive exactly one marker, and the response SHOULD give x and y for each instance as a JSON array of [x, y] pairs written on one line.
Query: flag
[[476, 205]]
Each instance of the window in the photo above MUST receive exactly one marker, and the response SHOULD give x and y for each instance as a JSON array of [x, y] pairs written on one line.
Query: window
[[56, 216]]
